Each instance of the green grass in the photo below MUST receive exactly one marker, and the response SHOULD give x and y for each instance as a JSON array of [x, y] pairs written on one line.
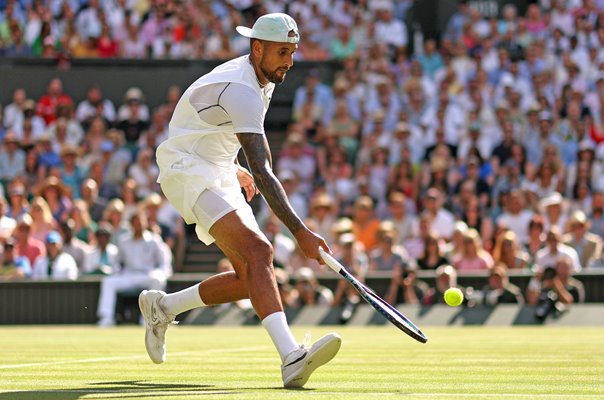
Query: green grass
[[240, 363]]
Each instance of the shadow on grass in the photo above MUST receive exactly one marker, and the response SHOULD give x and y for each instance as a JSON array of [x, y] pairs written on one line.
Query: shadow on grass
[[120, 390]]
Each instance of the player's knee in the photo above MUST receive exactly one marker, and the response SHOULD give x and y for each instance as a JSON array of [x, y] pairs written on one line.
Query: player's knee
[[260, 252]]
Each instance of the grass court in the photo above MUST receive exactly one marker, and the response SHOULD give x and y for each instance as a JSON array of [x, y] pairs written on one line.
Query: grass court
[[69, 362]]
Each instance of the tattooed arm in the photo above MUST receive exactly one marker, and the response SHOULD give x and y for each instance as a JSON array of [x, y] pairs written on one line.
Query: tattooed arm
[[258, 155]]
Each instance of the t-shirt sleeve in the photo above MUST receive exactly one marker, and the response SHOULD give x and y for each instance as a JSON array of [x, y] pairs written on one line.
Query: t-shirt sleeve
[[230, 104], [245, 108]]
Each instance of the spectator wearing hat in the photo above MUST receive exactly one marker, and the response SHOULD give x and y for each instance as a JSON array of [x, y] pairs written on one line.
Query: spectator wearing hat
[[17, 198], [587, 244], [48, 158], [133, 94], [12, 159], [554, 210], [323, 214], [364, 223], [57, 197], [499, 289], [446, 278], [103, 256], [48, 102], [12, 266], [71, 174], [56, 264], [133, 126]]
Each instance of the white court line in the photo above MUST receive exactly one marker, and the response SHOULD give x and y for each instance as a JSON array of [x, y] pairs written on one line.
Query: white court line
[[102, 391], [130, 357]]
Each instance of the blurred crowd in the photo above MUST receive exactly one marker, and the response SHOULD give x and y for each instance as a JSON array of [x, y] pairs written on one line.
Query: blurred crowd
[[479, 151]]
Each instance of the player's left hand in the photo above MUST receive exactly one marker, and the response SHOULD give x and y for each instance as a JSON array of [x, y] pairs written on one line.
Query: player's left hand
[[246, 181]]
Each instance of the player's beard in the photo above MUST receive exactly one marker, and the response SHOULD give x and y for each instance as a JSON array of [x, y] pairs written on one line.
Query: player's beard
[[273, 75]]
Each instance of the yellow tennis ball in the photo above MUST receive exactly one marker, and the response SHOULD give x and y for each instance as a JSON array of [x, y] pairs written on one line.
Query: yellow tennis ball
[[453, 297]]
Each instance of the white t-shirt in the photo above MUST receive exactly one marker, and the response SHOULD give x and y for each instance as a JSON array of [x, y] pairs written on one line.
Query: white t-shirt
[[518, 223]]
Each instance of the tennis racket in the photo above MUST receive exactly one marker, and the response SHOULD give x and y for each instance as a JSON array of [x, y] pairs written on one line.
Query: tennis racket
[[388, 311]]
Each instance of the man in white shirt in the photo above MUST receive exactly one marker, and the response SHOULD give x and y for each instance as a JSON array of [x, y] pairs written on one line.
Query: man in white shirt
[[443, 221], [516, 217], [56, 265], [141, 264], [219, 114], [554, 250]]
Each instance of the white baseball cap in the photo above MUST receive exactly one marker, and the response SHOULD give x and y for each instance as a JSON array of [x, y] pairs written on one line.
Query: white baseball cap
[[275, 27]]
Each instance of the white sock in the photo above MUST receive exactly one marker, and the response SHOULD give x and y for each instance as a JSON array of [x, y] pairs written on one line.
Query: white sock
[[276, 325], [185, 300]]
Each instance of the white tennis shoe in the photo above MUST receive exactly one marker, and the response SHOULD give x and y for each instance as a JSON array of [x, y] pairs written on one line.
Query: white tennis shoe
[[156, 323], [301, 362]]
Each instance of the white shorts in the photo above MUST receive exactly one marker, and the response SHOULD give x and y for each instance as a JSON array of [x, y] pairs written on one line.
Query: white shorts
[[213, 204]]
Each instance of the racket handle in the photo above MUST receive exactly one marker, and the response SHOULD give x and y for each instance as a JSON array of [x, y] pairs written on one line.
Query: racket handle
[[330, 260]]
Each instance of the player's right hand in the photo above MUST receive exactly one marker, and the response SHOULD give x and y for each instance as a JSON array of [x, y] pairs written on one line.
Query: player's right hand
[[310, 242]]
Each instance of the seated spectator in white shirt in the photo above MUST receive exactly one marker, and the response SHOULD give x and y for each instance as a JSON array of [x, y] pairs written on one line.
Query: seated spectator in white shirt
[[516, 217], [141, 265], [555, 249], [56, 265], [103, 258]]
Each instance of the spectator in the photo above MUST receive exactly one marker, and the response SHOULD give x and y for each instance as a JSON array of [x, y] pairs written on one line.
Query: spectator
[[474, 257], [499, 289], [27, 246], [57, 197], [587, 245], [13, 112], [554, 288], [508, 253], [42, 220], [310, 291], [446, 277], [364, 223], [12, 159], [13, 267], [56, 264], [323, 214], [7, 224], [554, 250], [94, 203], [553, 209], [114, 215], [133, 126], [103, 256], [358, 264], [134, 95], [94, 105], [17, 196], [516, 217], [141, 264], [32, 126], [296, 157], [442, 219], [433, 255], [73, 246], [47, 104], [145, 172], [83, 226], [71, 174], [404, 222]]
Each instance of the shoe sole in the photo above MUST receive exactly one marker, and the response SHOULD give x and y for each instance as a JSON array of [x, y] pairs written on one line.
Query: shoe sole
[[324, 353], [147, 316]]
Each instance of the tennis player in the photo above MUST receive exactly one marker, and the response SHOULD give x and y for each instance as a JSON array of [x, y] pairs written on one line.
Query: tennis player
[[220, 113]]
